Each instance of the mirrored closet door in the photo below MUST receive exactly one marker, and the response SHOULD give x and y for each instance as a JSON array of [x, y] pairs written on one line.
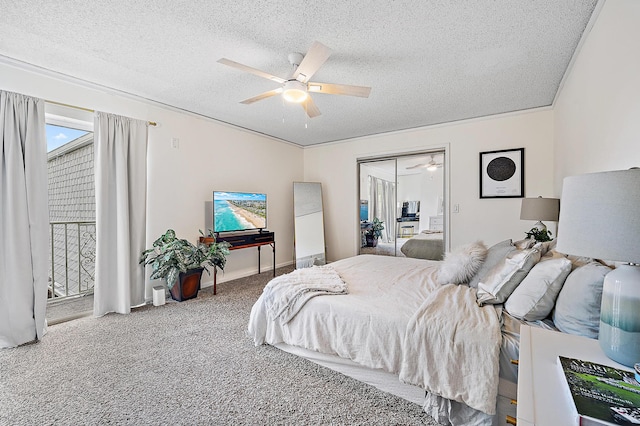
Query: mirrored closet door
[[402, 205]]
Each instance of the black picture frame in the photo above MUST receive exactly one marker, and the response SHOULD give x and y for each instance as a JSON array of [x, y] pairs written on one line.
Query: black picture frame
[[502, 173]]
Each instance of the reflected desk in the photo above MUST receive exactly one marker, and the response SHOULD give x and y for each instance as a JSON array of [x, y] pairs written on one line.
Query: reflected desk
[[404, 224]]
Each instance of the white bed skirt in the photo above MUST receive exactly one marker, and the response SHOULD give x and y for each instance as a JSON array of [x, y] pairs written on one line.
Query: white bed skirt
[[378, 378], [389, 383]]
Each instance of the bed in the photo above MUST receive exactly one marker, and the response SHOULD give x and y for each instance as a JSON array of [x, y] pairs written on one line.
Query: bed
[[392, 323], [425, 245]]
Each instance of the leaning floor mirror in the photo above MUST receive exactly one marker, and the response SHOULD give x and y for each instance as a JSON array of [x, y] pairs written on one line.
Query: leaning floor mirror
[[308, 224]]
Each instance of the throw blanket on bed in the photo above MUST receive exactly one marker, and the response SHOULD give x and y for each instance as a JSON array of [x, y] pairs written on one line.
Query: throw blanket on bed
[[286, 294], [452, 347]]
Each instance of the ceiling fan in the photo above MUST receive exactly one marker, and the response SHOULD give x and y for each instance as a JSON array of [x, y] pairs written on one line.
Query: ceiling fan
[[297, 87], [431, 165]]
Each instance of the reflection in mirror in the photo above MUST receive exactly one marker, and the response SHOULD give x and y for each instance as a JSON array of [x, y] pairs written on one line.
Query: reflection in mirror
[[420, 195], [406, 194], [378, 207], [308, 224]]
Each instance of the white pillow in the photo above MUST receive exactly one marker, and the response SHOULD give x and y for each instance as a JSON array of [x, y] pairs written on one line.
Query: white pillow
[[461, 264], [577, 309], [500, 282], [495, 255], [536, 295]]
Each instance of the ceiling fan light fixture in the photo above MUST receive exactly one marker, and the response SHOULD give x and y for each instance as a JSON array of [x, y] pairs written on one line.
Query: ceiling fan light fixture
[[294, 91]]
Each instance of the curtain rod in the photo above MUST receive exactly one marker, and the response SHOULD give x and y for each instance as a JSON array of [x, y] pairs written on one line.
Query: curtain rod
[[151, 123]]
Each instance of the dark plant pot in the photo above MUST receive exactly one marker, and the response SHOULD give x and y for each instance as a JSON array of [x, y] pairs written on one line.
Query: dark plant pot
[[187, 286], [371, 241]]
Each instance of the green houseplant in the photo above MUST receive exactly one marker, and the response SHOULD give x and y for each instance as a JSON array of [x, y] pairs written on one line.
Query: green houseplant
[[181, 263], [540, 235], [374, 232]]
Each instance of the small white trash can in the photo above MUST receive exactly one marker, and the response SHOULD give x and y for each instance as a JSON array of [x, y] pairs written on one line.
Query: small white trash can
[[158, 295]]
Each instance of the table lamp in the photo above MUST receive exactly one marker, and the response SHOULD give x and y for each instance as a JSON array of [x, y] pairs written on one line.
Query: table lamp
[[540, 209], [600, 218]]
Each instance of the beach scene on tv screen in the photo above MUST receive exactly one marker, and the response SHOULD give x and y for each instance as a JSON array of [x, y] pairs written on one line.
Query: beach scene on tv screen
[[236, 211]]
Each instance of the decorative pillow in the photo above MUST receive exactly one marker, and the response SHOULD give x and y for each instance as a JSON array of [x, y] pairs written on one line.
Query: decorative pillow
[[495, 254], [461, 264], [548, 246], [525, 244], [578, 306], [578, 261], [534, 298], [503, 278]]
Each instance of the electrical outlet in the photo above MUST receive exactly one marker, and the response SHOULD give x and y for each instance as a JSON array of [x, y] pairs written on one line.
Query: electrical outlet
[[175, 143], [456, 208]]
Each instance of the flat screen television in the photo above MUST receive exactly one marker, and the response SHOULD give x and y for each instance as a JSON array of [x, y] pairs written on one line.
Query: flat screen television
[[239, 211], [364, 210]]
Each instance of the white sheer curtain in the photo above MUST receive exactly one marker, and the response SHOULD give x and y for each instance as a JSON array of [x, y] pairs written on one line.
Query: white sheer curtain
[[24, 236], [382, 194], [121, 212]]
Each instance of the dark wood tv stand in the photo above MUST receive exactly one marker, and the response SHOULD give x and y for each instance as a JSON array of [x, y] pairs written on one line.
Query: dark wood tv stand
[[247, 240]]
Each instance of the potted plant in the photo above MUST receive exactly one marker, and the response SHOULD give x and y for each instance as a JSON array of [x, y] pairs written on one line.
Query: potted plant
[[374, 232], [181, 263], [540, 235]]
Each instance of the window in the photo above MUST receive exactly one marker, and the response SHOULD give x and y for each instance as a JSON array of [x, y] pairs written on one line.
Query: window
[[71, 204]]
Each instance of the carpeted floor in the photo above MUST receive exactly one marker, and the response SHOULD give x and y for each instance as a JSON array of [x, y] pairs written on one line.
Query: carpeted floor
[[386, 249], [188, 363]]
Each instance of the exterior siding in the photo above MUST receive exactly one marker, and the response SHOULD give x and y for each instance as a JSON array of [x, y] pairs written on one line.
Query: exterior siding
[[71, 202]]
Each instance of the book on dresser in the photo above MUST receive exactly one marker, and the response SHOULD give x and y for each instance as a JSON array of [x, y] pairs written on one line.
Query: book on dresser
[[602, 395]]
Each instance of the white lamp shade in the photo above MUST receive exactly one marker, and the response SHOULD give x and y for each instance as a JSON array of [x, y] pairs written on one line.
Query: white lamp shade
[[540, 209], [600, 216]]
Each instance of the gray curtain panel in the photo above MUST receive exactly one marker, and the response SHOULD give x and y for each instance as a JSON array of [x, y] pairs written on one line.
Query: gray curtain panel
[[24, 236], [121, 212], [382, 202]]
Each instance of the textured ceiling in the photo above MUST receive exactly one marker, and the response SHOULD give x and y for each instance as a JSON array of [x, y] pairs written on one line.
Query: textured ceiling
[[427, 61]]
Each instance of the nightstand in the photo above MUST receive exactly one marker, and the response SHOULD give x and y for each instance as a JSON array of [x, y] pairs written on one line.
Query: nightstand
[[543, 396]]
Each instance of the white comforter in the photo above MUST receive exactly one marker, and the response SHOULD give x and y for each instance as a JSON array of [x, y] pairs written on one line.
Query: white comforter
[[394, 307]]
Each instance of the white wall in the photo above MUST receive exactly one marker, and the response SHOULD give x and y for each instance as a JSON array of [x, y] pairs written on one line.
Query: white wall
[[490, 220], [431, 195], [210, 156], [597, 113]]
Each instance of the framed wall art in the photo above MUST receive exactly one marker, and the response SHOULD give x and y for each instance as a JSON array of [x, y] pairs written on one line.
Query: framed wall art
[[502, 173]]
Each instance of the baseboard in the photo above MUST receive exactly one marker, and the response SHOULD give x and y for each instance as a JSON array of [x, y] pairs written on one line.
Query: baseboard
[[70, 318], [234, 275]]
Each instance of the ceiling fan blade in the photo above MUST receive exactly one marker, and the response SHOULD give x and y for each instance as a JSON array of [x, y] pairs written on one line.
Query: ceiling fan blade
[[416, 166], [316, 56], [311, 108], [339, 89], [251, 70], [262, 96]]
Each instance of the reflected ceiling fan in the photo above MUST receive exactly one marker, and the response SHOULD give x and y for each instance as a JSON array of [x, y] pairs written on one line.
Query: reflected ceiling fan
[[297, 87], [431, 165]]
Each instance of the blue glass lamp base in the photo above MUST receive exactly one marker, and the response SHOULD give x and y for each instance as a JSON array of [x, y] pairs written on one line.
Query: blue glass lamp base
[[619, 334]]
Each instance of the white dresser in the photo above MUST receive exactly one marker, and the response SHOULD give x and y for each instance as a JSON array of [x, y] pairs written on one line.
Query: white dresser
[[543, 396]]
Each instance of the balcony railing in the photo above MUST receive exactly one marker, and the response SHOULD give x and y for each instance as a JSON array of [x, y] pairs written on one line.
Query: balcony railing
[[72, 259]]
